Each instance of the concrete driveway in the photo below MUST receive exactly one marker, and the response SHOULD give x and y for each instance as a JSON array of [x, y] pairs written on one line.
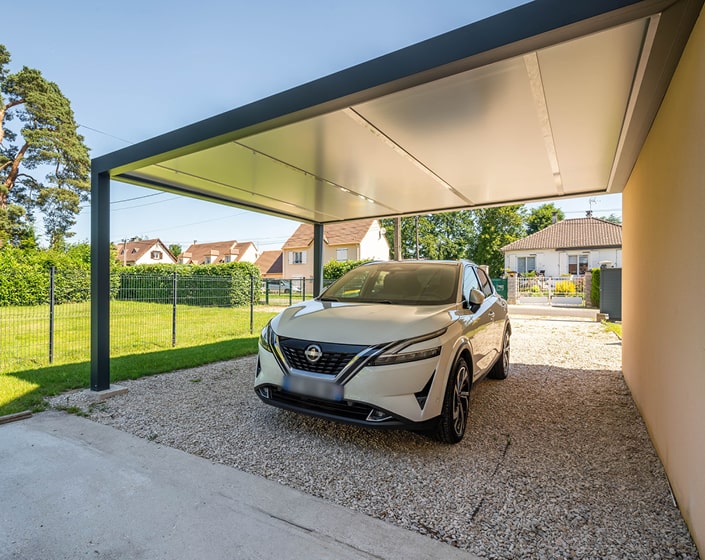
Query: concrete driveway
[[72, 488]]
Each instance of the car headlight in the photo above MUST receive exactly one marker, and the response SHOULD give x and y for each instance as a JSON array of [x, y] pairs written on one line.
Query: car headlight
[[394, 354], [266, 336], [387, 359]]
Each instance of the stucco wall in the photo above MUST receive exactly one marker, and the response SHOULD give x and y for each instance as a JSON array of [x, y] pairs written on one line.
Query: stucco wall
[[664, 266]]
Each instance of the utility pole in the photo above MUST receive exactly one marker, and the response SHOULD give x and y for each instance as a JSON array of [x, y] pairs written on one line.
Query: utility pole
[[416, 222]]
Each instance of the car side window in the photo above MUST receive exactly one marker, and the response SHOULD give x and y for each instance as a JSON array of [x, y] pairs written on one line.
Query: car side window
[[469, 282], [485, 282]]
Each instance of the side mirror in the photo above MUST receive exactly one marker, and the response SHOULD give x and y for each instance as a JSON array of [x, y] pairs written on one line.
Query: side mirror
[[476, 297]]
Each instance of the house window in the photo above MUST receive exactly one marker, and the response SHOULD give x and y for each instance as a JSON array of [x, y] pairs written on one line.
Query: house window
[[341, 255], [157, 255], [526, 264], [297, 257], [577, 264], [207, 259]]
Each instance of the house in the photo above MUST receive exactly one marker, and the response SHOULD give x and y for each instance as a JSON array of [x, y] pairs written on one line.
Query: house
[[348, 241], [145, 251], [567, 247], [270, 264], [219, 252]]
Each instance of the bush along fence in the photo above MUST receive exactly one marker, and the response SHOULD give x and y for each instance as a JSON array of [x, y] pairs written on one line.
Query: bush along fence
[[151, 309]]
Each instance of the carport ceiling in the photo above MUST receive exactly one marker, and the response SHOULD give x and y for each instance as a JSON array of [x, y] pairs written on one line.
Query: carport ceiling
[[547, 100]]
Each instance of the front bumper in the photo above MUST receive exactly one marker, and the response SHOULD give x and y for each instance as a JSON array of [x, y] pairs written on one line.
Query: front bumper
[[406, 395]]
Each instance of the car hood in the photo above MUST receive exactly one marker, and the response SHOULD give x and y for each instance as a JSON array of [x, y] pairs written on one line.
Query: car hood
[[360, 323]]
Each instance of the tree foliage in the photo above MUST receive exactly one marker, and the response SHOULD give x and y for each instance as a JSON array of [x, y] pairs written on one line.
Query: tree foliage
[[474, 234], [44, 163], [612, 218], [496, 227], [541, 217], [440, 236]]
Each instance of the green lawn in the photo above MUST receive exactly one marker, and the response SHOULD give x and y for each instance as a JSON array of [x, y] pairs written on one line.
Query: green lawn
[[141, 344]]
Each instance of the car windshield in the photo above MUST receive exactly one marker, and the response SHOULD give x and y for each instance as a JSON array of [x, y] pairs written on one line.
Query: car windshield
[[417, 283]]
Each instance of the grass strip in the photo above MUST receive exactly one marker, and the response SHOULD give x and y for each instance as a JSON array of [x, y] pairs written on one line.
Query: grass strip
[[26, 390]]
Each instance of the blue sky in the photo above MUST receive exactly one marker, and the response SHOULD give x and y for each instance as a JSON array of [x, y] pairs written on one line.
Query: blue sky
[[134, 70]]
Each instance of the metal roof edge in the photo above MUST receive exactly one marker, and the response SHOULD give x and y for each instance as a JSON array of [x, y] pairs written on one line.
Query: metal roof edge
[[524, 28]]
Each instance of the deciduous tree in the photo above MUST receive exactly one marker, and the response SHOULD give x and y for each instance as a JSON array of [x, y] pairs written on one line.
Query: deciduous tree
[[496, 227], [543, 216]]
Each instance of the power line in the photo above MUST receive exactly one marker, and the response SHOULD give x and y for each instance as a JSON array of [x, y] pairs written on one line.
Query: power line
[[136, 198], [105, 133]]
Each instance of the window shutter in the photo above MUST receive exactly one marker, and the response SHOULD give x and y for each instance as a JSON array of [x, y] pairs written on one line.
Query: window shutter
[[291, 257], [303, 257]]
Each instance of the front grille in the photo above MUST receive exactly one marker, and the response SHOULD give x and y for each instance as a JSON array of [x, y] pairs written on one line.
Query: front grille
[[347, 410], [332, 361]]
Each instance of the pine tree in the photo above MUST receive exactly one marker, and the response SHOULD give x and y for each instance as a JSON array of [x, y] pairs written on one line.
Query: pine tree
[[44, 163]]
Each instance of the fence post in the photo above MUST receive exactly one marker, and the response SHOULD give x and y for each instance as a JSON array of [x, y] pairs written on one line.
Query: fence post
[[512, 289], [52, 272], [252, 303], [173, 309]]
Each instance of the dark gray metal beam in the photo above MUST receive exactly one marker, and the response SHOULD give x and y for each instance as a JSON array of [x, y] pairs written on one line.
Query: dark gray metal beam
[[100, 280], [317, 259], [525, 28]]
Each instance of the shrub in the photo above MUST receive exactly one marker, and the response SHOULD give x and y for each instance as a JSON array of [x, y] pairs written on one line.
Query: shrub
[[595, 288], [335, 269], [565, 288]]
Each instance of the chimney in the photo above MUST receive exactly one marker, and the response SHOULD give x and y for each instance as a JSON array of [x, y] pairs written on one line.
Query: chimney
[[588, 213], [554, 217]]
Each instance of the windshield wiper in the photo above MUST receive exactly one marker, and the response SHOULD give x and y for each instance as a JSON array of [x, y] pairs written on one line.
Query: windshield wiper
[[328, 299]]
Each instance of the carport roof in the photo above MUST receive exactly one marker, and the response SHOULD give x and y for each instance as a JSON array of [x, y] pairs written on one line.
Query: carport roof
[[547, 100]]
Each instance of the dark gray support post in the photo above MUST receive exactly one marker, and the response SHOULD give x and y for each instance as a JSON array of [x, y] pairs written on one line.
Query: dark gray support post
[[317, 259], [174, 299], [52, 284], [100, 281]]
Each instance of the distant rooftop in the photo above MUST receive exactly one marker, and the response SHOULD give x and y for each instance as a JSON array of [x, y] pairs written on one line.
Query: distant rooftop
[[577, 233]]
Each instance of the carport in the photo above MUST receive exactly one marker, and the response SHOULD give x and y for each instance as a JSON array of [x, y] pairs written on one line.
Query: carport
[[550, 99]]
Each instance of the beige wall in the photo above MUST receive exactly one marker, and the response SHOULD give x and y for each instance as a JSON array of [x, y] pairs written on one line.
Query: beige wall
[[664, 270]]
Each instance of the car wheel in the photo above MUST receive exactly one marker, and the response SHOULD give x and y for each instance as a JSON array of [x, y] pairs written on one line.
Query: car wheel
[[456, 404], [501, 367]]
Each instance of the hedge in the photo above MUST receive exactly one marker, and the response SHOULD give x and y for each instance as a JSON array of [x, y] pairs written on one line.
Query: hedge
[[25, 278], [210, 285]]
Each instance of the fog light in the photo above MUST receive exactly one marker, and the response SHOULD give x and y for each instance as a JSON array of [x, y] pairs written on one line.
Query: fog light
[[378, 416]]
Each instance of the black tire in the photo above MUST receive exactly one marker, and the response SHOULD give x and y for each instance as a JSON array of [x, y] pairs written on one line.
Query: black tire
[[456, 404], [500, 369]]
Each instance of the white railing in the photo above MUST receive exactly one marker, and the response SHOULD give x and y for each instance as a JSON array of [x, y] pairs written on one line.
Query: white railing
[[551, 290]]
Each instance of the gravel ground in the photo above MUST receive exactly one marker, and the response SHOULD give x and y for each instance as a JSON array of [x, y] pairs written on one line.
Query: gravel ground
[[556, 461]]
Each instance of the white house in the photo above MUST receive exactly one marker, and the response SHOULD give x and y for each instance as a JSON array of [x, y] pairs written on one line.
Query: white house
[[567, 247], [219, 252], [146, 251], [350, 241]]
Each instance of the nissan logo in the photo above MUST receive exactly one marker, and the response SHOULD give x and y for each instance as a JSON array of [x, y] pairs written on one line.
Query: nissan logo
[[313, 353]]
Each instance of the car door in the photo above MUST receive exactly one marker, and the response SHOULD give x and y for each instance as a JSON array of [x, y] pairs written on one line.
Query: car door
[[477, 324], [497, 312]]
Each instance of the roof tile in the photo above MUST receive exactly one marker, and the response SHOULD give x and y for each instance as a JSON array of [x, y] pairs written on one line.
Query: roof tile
[[576, 233]]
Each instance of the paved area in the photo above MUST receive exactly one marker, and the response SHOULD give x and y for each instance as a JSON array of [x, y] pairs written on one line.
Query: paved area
[[574, 313], [72, 488]]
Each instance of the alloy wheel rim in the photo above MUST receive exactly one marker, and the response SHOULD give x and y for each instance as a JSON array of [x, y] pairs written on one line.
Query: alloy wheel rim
[[461, 395], [505, 353]]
